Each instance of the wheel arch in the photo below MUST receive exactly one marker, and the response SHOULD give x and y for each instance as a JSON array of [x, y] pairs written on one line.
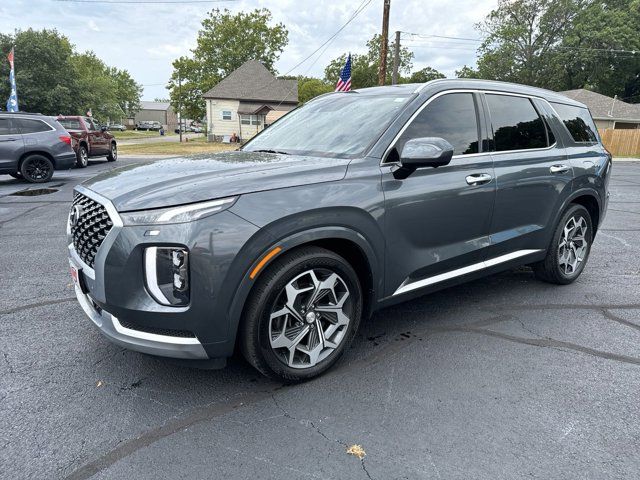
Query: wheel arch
[[347, 242], [592, 204], [30, 153]]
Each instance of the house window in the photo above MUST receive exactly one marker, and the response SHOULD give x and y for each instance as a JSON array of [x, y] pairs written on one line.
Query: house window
[[249, 119], [226, 114]]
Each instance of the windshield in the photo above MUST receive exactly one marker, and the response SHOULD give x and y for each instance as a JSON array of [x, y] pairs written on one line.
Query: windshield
[[339, 125]]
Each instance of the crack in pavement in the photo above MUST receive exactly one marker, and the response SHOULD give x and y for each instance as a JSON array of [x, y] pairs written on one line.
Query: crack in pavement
[[29, 210], [616, 318], [36, 305], [211, 412]]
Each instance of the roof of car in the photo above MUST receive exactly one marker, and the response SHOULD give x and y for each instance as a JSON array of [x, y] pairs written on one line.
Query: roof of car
[[469, 83]]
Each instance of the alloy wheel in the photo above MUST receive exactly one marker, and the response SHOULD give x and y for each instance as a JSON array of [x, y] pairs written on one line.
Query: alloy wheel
[[573, 245], [84, 157], [310, 318], [114, 152], [37, 169]]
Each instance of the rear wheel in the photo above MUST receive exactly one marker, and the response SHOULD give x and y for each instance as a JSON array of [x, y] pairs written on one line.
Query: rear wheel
[[569, 249], [302, 315], [82, 157], [113, 153], [36, 169]]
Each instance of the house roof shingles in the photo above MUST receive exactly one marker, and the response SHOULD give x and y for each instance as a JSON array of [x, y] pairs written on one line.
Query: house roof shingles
[[601, 105], [254, 82]]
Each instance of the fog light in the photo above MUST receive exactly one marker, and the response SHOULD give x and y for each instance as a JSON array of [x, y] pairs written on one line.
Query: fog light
[[167, 275]]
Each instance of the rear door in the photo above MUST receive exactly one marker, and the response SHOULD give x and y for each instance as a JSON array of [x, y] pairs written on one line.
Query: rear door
[[11, 144], [532, 173], [437, 220]]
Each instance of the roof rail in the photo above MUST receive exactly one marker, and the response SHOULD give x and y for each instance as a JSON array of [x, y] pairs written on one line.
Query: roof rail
[[21, 113]]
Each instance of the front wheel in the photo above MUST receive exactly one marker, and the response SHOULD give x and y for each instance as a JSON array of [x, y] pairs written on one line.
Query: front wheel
[[113, 153], [301, 315], [569, 250], [36, 169]]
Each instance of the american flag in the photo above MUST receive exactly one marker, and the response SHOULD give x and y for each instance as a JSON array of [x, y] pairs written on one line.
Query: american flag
[[12, 103], [344, 83]]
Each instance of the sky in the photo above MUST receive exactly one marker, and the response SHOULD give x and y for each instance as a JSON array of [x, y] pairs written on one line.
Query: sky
[[145, 38]]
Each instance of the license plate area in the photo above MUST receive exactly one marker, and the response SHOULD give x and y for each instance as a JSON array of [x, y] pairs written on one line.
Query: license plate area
[[78, 277]]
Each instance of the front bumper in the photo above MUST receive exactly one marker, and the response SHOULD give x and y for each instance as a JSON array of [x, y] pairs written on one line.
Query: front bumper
[[151, 343]]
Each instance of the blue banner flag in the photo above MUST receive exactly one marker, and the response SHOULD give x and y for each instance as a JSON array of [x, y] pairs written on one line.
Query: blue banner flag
[[12, 103]]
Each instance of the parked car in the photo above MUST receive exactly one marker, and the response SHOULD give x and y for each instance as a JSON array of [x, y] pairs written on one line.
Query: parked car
[[195, 129], [351, 202], [89, 139], [118, 127], [148, 125], [32, 146]]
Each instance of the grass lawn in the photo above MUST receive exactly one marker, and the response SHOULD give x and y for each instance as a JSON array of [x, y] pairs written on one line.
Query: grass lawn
[[132, 134], [198, 145]]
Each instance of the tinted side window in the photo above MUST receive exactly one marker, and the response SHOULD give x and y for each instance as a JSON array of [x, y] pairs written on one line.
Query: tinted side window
[[452, 117], [578, 121], [32, 126], [516, 123], [6, 126]]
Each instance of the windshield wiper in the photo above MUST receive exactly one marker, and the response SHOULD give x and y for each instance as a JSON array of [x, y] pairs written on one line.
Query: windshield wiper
[[272, 151]]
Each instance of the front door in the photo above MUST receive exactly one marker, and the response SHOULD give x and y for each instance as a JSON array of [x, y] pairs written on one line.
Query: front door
[[97, 141], [11, 144], [437, 220], [532, 172]]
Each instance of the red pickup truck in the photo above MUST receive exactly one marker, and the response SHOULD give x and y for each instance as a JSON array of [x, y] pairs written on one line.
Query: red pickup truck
[[89, 139]]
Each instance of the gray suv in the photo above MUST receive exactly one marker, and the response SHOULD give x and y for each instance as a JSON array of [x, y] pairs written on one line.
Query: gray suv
[[350, 203], [32, 146]]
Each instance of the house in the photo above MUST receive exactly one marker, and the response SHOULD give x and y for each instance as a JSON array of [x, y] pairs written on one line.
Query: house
[[606, 111], [248, 100], [159, 112]]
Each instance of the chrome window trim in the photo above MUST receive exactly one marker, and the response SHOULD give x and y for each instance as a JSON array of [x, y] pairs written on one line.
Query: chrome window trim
[[425, 282], [462, 90]]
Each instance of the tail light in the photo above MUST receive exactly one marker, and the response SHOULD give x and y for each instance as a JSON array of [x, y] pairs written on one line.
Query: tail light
[[65, 138]]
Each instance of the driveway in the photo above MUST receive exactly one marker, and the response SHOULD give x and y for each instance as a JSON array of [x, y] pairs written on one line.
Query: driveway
[[501, 378]]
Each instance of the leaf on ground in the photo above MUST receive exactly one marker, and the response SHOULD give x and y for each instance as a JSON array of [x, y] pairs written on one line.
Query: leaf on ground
[[100, 383], [356, 451]]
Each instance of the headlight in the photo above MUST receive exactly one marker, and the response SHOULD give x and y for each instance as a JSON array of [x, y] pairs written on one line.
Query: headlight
[[167, 275], [180, 214]]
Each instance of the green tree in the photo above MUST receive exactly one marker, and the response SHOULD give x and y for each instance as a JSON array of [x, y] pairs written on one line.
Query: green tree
[[425, 75], [309, 87], [595, 52], [467, 72], [520, 39], [364, 68], [44, 71], [224, 43]]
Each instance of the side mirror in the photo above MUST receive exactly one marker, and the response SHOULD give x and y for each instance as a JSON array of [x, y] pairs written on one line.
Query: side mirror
[[423, 152]]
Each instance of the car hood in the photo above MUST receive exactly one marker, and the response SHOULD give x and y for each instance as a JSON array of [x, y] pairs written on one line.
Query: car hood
[[179, 181]]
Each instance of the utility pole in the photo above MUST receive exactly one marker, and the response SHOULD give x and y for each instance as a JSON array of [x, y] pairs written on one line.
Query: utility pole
[[180, 104], [384, 46], [396, 60]]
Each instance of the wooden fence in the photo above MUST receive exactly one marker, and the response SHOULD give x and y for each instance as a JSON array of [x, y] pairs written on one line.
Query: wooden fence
[[622, 143]]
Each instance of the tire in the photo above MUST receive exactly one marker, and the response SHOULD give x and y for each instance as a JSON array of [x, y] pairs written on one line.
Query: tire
[[82, 157], [113, 153], [570, 247], [336, 311], [36, 169], [17, 175]]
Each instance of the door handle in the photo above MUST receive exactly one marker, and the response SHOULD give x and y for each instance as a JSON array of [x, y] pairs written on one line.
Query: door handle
[[478, 178], [559, 169]]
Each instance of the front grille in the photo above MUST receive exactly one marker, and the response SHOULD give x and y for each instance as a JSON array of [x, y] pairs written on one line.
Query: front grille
[[158, 331], [92, 225]]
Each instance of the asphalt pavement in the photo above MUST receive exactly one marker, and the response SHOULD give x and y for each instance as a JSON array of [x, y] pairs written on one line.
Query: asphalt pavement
[[501, 378]]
